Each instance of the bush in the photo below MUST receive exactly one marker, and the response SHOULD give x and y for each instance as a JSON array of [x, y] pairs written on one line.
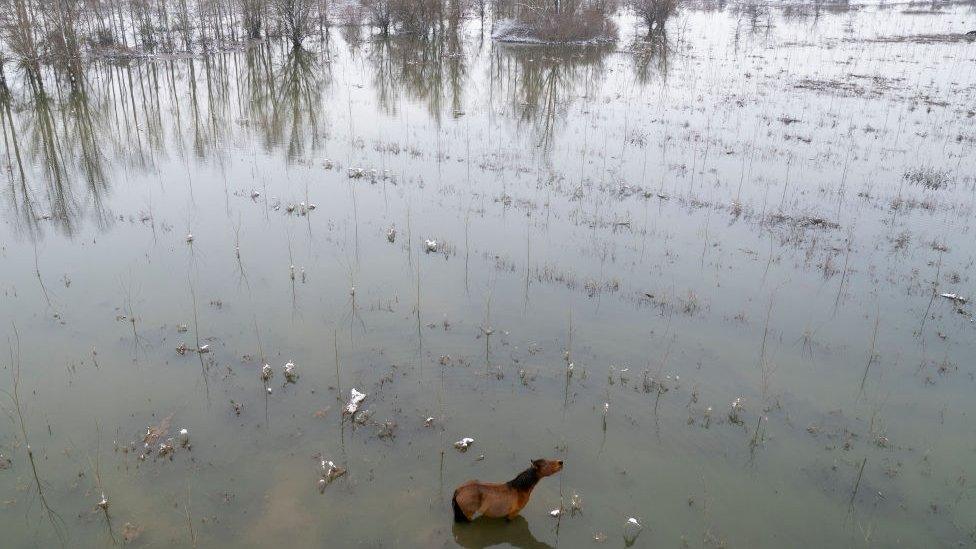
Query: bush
[[579, 22]]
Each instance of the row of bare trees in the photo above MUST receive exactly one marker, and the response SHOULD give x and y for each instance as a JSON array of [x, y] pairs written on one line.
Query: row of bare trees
[[582, 20], [39, 31], [414, 16], [61, 31]]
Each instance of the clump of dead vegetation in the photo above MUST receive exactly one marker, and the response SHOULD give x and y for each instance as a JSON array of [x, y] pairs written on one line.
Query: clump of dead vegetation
[[801, 221], [840, 87], [668, 304], [928, 177], [933, 38]]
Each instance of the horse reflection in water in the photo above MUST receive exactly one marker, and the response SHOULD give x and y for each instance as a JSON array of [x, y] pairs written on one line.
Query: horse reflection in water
[[488, 532]]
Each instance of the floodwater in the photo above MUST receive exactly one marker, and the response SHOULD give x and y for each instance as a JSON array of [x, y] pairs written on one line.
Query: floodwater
[[628, 241]]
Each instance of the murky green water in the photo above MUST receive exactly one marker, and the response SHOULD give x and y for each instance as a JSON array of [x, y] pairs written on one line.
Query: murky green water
[[766, 212]]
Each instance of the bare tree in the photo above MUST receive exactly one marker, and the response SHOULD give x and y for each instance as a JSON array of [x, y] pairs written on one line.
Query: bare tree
[[19, 25], [296, 18], [380, 14], [251, 17], [654, 13]]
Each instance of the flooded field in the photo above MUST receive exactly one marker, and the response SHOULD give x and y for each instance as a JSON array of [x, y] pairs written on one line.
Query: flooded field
[[725, 279]]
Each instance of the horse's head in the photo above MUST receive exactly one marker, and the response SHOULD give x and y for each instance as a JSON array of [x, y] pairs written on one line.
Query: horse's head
[[547, 467]]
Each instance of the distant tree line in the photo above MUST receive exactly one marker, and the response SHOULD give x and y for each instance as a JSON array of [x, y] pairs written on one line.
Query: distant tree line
[[34, 32]]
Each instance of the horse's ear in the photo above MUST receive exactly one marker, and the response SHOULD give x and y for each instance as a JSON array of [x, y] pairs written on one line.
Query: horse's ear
[[537, 463]]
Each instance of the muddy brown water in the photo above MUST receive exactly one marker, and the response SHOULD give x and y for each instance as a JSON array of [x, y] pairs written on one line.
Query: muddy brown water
[[767, 211]]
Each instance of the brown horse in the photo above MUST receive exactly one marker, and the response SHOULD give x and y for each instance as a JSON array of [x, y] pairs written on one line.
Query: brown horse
[[501, 500]]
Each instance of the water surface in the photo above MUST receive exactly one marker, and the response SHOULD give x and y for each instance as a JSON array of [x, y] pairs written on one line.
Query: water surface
[[628, 240]]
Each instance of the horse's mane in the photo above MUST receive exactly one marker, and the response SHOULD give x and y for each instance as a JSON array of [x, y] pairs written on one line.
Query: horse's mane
[[526, 480]]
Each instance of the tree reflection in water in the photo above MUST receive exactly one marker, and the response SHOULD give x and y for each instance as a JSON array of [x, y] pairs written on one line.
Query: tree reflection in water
[[67, 135]]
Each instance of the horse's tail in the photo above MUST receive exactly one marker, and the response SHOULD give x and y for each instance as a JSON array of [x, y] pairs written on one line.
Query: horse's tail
[[459, 515]]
